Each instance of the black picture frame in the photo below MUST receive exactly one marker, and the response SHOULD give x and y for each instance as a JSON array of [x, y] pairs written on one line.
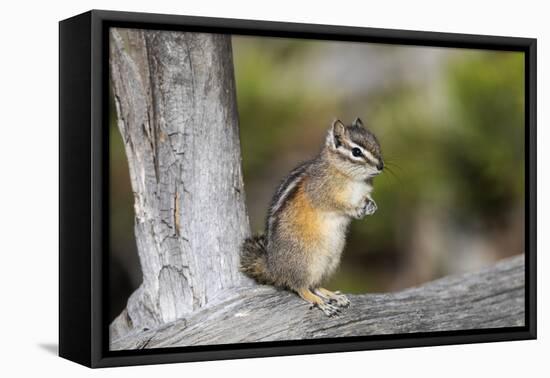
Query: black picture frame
[[83, 165]]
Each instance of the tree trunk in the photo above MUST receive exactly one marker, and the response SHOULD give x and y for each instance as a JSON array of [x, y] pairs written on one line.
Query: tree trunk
[[175, 99]]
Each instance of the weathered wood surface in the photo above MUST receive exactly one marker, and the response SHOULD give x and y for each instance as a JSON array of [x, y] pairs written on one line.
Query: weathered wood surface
[[493, 297], [175, 100]]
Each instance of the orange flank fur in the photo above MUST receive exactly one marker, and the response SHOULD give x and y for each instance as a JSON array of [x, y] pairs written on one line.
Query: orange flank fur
[[318, 234], [303, 219]]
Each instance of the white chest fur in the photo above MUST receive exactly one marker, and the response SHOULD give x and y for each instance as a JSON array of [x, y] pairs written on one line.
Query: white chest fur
[[330, 247], [335, 226], [357, 192]]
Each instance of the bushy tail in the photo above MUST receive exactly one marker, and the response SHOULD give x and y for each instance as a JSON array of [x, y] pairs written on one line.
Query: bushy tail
[[253, 258]]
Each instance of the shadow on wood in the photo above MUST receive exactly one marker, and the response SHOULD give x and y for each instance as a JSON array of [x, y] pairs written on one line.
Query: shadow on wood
[[491, 298]]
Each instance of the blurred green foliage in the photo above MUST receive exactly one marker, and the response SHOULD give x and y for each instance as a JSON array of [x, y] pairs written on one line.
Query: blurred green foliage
[[273, 118], [454, 144], [467, 158], [488, 95]]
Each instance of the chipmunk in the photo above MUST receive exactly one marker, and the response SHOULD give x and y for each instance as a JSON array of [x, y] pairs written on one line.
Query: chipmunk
[[309, 215]]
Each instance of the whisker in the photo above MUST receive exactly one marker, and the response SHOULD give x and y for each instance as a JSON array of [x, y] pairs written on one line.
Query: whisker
[[392, 174], [389, 157], [392, 164]]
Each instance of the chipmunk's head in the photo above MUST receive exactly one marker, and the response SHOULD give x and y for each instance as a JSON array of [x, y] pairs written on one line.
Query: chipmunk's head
[[354, 150]]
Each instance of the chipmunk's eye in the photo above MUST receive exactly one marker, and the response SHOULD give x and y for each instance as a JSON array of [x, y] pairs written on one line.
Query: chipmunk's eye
[[356, 152]]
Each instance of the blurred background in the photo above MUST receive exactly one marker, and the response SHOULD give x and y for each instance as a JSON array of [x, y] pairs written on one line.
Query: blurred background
[[451, 126]]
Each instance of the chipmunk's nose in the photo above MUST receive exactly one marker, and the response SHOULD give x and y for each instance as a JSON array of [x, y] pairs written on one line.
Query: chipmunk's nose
[[380, 165]]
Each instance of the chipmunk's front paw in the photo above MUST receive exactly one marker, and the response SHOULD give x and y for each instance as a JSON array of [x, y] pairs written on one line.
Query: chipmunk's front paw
[[359, 213], [370, 207]]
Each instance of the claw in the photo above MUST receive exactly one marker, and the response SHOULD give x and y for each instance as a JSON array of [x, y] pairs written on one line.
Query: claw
[[334, 298], [370, 207], [328, 309], [341, 300]]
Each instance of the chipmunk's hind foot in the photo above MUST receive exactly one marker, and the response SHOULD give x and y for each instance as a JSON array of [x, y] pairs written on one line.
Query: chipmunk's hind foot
[[341, 300], [335, 297], [329, 309], [318, 301]]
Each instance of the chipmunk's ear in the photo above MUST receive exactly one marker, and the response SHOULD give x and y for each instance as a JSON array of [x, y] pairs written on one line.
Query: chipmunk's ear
[[358, 122], [336, 134], [338, 128]]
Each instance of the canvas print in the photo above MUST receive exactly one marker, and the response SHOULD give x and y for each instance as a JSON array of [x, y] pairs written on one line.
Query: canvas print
[[277, 189]]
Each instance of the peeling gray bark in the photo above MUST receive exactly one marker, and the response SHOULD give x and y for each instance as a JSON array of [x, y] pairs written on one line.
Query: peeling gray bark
[[175, 101], [491, 298]]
